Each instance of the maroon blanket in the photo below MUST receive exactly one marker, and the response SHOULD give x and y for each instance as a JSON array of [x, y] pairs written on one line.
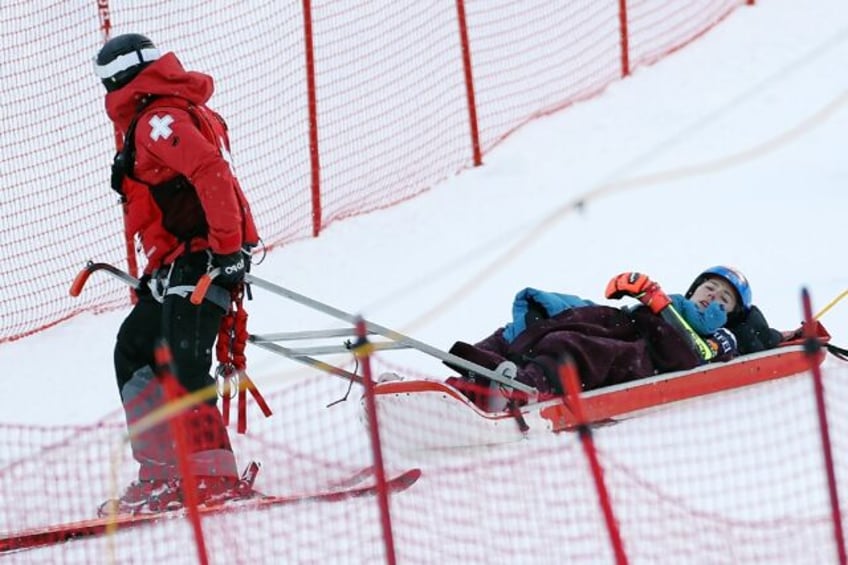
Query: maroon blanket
[[609, 346]]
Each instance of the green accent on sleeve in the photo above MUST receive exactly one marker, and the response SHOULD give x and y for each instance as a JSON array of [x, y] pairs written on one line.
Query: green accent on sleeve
[[672, 316]]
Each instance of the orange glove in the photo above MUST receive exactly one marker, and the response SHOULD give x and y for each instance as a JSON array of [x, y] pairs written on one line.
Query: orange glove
[[638, 286]]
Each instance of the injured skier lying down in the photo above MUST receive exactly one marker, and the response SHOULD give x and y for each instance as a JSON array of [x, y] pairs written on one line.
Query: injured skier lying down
[[714, 321]]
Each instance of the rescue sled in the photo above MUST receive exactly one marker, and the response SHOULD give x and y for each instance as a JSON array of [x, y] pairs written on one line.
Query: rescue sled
[[455, 421]]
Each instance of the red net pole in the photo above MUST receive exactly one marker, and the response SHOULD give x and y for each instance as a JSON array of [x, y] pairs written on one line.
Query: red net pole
[[165, 374], [469, 82], [571, 385], [106, 29], [363, 353], [313, 118], [812, 346], [625, 38]]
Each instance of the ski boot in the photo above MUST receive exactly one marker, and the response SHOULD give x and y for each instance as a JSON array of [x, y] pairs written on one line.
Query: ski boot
[[135, 498]]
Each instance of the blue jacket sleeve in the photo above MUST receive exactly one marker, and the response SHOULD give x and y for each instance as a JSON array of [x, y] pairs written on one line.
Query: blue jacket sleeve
[[552, 302]]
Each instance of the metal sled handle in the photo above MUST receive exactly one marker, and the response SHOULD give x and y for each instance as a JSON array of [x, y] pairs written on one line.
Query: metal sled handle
[[387, 333], [91, 267], [206, 280]]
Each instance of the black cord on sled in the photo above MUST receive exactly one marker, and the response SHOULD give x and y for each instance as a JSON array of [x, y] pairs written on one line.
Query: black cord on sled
[[348, 344], [838, 352], [513, 410]]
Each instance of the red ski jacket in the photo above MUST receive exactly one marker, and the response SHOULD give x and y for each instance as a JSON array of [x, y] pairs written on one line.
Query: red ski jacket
[[182, 194]]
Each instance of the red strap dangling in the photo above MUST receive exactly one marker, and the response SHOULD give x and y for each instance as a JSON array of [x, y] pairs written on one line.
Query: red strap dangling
[[239, 340], [232, 361]]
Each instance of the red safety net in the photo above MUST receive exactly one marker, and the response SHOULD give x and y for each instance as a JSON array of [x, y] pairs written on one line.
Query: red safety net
[[338, 109], [734, 477], [335, 109]]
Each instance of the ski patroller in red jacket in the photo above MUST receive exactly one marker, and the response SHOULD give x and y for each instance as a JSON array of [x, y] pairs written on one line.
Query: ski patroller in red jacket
[[176, 135]]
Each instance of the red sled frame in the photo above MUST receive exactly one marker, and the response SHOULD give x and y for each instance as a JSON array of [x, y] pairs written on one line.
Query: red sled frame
[[600, 406]]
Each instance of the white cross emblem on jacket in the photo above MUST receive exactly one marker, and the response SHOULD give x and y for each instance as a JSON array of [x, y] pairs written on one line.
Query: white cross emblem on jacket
[[160, 127], [227, 156]]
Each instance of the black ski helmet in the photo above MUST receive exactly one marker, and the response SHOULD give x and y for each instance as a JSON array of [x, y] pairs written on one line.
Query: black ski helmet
[[122, 58], [736, 279]]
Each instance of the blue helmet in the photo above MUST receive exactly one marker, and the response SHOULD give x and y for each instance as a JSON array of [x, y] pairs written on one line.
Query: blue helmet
[[736, 279]]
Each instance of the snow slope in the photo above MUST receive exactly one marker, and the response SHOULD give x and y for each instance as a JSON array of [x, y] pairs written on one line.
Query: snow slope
[[729, 151]]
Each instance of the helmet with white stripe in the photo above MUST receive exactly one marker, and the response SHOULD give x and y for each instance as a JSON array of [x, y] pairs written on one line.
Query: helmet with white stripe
[[122, 58]]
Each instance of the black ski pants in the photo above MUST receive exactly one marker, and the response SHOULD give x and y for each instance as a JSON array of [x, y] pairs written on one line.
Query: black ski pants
[[190, 332]]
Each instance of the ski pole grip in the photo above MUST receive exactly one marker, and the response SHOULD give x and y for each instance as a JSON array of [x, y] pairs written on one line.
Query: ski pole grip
[[203, 285]]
